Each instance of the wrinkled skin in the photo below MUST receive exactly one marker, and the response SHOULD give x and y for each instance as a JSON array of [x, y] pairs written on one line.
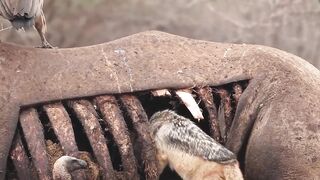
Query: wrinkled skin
[[277, 119]]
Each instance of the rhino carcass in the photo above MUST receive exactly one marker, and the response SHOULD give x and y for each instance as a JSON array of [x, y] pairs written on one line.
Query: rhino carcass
[[275, 129]]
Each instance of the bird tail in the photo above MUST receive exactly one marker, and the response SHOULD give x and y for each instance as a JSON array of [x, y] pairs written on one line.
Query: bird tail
[[22, 22]]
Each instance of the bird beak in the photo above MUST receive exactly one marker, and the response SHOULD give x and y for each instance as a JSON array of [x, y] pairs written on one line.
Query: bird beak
[[83, 164]]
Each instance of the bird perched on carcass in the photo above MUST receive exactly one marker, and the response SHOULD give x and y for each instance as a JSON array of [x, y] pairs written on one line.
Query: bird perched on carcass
[[189, 151], [26, 14], [63, 167]]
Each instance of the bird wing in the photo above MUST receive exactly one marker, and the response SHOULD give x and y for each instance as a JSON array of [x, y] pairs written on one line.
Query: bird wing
[[24, 8], [5, 11], [29, 8], [187, 137], [36, 7]]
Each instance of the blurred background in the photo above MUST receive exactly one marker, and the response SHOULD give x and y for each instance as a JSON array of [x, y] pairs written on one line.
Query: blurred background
[[290, 25]]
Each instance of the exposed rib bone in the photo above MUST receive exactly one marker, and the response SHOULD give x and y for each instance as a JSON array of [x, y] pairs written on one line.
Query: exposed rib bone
[[109, 108], [140, 123], [161, 92], [206, 96], [237, 92], [33, 133], [20, 159], [222, 123], [227, 109], [89, 119], [62, 127], [187, 98]]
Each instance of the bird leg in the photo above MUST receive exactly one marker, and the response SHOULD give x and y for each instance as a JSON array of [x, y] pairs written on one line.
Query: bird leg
[[41, 27]]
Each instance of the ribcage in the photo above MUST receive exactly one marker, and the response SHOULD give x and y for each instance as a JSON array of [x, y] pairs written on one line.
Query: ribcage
[[110, 132]]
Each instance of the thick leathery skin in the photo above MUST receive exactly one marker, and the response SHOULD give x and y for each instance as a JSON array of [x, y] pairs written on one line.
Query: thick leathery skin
[[277, 115]]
